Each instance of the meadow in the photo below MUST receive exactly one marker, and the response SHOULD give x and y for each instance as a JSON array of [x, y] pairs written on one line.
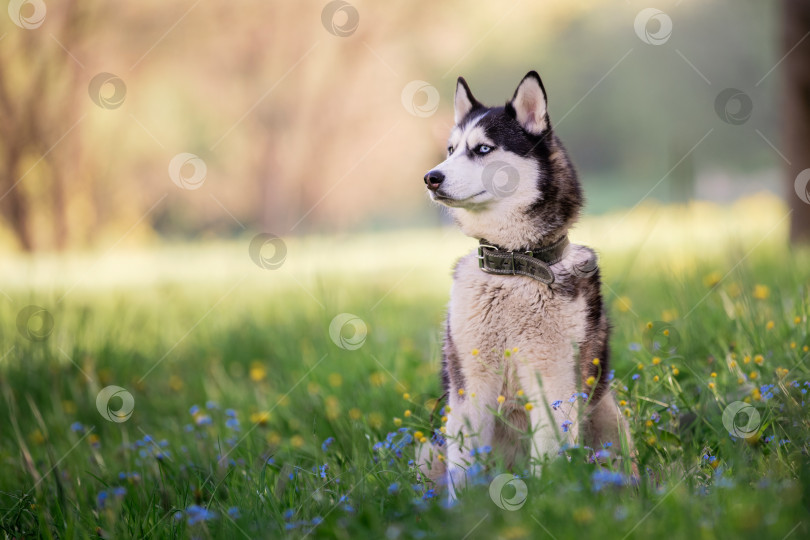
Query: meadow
[[251, 419]]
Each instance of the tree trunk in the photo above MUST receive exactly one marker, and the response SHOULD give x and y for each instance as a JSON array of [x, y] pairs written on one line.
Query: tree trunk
[[796, 109]]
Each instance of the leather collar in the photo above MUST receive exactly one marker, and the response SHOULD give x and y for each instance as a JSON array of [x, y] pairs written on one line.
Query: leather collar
[[533, 262]]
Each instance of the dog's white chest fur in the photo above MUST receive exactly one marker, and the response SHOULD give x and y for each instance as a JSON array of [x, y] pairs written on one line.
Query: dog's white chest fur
[[493, 314]]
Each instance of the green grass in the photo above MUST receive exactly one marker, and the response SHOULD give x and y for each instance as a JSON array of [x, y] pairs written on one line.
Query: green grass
[[261, 347]]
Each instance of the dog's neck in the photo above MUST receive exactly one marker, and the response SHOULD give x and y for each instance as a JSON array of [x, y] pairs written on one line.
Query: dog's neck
[[512, 232]]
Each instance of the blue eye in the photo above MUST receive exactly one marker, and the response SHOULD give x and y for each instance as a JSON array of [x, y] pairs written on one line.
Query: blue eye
[[483, 149]]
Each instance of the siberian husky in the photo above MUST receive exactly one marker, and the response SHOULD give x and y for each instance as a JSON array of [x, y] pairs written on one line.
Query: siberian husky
[[526, 330]]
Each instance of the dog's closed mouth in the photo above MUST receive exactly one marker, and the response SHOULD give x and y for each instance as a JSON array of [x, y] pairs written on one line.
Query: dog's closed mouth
[[449, 201]]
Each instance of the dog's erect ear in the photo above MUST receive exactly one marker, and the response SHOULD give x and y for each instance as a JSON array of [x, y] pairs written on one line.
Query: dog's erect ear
[[465, 102], [530, 104]]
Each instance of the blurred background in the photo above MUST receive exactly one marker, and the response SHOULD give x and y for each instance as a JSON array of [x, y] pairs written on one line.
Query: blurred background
[[138, 124]]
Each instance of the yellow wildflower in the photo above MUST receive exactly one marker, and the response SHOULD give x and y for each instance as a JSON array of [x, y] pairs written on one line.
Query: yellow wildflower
[[761, 292], [257, 372]]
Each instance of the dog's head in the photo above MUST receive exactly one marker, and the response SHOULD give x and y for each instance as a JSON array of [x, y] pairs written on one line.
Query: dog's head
[[507, 177]]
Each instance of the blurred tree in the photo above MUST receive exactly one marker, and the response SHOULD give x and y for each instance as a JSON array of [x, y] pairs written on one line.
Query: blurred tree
[[796, 28], [40, 89]]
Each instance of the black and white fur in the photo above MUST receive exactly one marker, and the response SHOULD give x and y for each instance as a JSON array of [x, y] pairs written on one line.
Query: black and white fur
[[557, 330]]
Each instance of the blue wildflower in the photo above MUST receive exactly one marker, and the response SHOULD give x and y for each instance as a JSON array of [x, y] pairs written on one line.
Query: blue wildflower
[[233, 512], [327, 443], [635, 377], [437, 438], [565, 425], [634, 346], [556, 404], [197, 514], [393, 488], [77, 427], [119, 491], [194, 410], [211, 405], [479, 451], [603, 478], [233, 424]]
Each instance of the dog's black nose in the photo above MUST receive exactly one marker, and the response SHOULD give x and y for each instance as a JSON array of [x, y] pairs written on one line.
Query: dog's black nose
[[433, 179]]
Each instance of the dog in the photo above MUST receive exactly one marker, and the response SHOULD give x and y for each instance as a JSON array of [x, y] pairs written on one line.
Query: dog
[[526, 329]]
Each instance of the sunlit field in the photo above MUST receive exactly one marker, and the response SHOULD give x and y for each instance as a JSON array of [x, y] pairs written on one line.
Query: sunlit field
[[249, 418]]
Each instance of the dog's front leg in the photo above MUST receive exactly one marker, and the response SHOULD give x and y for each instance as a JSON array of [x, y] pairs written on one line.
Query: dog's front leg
[[470, 426], [552, 425]]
